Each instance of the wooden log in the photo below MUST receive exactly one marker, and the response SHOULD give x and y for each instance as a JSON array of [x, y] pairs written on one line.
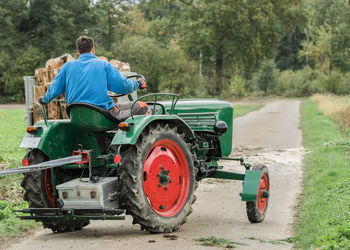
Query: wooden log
[[41, 76], [37, 115], [121, 66], [57, 63], [102, 58], [53, 111], [39, 91]]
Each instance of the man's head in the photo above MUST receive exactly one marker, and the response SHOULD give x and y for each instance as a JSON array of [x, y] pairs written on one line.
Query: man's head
[[85, 44]]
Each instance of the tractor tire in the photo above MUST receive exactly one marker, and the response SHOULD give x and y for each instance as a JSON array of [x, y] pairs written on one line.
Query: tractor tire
[[256, 210], [38, 193], [157, 180]]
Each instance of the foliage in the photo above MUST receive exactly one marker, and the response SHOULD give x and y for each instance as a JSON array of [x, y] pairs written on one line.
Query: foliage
[[196, 48], [329, 28], [288, 50], [266, 78], [168, 69], [324, 214], [298, 83], [225, 32], [30, 59]]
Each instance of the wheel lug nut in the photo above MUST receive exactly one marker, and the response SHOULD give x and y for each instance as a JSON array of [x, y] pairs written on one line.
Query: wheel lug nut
[[165, 188], [157, 175], [168, 171], [159, 185], [170, 181]]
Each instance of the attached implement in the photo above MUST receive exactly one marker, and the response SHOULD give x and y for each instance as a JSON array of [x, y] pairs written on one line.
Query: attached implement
[[146, 166]]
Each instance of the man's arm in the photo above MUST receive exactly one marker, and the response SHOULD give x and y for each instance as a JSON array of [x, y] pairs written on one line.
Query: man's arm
[[57, 87], [117, 83]]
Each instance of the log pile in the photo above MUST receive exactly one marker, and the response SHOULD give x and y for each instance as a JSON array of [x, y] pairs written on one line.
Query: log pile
[[44, 77]]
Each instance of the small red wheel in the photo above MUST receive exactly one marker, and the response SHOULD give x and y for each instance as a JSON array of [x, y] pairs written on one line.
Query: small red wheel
[[256, 210], [166, 178]]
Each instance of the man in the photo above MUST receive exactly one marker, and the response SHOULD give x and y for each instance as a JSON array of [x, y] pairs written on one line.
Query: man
[[88, 79]]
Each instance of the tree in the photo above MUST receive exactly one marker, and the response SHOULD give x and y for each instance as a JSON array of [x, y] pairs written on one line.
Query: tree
[[168, 69], [230, 32], [329, 27], [288, 50], [53, 26]]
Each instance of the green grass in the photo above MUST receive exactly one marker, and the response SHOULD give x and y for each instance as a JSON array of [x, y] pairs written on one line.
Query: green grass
[[12, 129], [240, 109], [218, 242], [324, 212]]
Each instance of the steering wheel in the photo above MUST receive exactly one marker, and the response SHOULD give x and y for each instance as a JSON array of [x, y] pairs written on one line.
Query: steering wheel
[[132, 76]]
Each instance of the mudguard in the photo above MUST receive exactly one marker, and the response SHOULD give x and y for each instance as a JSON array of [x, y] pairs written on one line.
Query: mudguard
[[138, 123], [251, 185], [58, 139]]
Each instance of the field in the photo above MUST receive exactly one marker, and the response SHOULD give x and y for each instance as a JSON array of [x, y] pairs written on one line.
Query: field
[[336, 107], [12, 129], [324, 212]]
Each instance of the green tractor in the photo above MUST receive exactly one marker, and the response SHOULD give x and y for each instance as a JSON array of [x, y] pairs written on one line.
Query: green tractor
[[95, 167]]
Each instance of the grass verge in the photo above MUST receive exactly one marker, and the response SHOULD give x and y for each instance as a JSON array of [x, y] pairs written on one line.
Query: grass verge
[[240, 109], [218, 242], [324, 212], [12, 129]]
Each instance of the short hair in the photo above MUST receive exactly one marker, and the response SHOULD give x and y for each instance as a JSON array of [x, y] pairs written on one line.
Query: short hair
[[85, 44]]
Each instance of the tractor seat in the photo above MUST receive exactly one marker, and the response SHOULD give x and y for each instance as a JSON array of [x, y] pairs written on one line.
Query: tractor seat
[[91, 118]]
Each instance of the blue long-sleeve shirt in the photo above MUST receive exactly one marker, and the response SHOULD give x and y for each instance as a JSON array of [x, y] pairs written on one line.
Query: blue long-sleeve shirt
[[88, 80]]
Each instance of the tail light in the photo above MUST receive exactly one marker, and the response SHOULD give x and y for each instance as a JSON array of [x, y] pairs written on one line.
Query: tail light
[[32, 130], [123, 126], [117, 159], [25, 162]]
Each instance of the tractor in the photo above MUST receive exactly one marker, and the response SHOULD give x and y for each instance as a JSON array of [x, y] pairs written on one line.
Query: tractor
[[95, 167]]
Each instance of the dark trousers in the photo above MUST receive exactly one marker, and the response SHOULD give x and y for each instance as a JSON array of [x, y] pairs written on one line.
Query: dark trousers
[[122, 111]]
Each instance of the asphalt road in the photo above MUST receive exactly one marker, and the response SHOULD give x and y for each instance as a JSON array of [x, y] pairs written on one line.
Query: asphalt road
[[269, 136]]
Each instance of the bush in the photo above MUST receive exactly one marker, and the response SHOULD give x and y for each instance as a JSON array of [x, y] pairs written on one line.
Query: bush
[[166, 69], [235, 88], [296, 83], [266, 78], [335, 83]]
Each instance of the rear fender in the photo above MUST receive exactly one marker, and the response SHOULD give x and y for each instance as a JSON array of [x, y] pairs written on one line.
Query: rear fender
[[139, 123], [251, 185], [58, 139]]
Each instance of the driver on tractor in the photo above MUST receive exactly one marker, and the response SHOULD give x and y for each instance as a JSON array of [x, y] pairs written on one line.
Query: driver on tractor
[[88, 80]]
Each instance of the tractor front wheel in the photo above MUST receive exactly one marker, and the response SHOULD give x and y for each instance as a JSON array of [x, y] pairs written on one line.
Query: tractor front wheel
[[256, 210], [38, 192], [157, 180]]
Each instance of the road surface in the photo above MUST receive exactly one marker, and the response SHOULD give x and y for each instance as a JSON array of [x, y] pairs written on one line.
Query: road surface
[[269, 136]]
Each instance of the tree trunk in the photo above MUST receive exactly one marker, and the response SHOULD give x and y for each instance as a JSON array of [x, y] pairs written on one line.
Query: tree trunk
[[219, 63]]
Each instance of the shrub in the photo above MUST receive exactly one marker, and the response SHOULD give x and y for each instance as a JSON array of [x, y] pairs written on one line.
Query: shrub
[[296, 83]]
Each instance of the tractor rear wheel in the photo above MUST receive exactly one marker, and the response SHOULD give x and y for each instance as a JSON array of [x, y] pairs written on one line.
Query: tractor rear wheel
[[256, 210], [157, 180], [38, 193]]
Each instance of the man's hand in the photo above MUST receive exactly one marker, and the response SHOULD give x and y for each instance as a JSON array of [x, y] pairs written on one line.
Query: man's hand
[[142, 84], [40, 100]]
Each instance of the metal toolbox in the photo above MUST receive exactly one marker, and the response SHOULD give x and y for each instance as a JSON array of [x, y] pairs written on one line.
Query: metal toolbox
[[86, 194]]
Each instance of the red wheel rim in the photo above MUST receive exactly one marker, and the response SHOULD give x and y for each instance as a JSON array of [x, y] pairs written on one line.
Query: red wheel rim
[[166, 178], [48, 188], [263, 185]]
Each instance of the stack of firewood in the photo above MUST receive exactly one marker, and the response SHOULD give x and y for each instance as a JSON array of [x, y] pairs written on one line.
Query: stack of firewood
[[44, 77]]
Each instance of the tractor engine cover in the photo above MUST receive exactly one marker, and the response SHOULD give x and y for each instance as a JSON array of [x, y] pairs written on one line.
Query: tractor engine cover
[[86, 194]]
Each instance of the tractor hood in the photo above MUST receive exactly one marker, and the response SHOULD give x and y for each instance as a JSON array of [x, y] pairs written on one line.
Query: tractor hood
[[202, 114]]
